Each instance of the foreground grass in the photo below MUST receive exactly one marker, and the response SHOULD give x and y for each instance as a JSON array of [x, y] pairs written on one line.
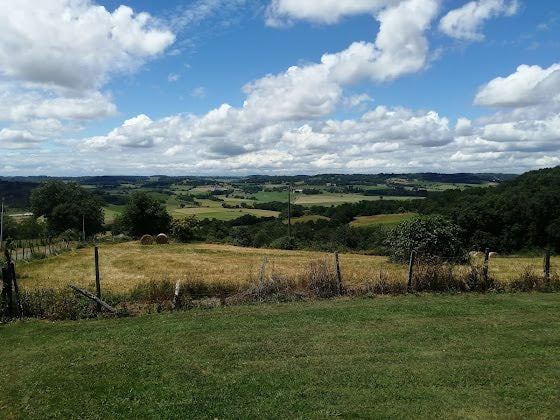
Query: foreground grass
[[428, 356]]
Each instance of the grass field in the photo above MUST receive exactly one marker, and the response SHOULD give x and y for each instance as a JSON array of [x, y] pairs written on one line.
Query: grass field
[[307, 218], [328, 199], [220, 213], [430, 356], [381, 219], [111, 211], [125, 265]]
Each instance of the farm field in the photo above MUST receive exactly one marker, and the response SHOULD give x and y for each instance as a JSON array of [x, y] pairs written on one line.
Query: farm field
[[429, 356], [381, 219], [220, 213], [123, 266], [328, 199], [307, 218]]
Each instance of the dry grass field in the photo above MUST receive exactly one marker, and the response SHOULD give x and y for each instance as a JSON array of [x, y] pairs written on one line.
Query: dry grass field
[[123, 266]]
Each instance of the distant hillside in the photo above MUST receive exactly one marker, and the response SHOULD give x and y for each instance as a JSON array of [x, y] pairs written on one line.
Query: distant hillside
[[16, 193], [517, 214], [369, 179]]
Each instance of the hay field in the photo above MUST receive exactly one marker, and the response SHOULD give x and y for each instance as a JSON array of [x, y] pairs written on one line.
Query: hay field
[[381, 219], [328, 199], [122, 266]]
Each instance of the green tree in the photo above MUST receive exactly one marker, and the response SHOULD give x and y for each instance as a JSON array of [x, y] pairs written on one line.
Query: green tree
[[429, 236], [143, 215], [185, 229], [66, 206]]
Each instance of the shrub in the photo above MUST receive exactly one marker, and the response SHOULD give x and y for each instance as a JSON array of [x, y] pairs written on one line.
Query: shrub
[[186, 229], [437, 277], [528, 280], [320, 279], [56, 305], [429, 236], [383, 284]]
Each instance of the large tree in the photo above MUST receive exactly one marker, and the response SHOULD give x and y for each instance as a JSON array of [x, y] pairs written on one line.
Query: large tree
[[143, 214], [430, 236], [66, 206]]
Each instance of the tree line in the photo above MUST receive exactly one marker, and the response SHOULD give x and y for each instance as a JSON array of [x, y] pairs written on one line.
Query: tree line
[[520, 214]]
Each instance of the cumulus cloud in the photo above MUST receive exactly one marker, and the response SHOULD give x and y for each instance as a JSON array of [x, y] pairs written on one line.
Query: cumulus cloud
[[284, 12], [528, 108], [466, 22], [55, 57], [74, 43], [528, 86], [18, 105]]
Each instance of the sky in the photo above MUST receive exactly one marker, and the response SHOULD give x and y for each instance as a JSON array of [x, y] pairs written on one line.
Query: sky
[[238, 87]]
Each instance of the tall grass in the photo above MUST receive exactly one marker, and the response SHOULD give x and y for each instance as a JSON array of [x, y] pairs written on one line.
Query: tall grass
[[316, 280]]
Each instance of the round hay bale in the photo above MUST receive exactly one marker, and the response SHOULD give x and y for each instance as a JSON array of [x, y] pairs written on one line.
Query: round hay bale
[[147, 240], [493, 254], [162, 239]]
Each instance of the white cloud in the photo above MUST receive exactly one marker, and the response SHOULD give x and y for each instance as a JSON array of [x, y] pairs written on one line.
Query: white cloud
[[29, 105], [173, 77], [529, 85], [199, 92], [466, 22], [9, 137], [356, 100], [528, 116], [284, 12], [74, 43], [56, 56]]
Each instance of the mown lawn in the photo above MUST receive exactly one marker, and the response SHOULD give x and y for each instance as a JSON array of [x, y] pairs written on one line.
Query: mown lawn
[[428, 356]]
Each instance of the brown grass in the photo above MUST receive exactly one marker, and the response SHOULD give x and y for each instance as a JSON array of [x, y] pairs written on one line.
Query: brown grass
[[127, 265]]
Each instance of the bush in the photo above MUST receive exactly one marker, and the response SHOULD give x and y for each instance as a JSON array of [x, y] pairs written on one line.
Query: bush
[[429, 236], [186, 229], [321, 280], [56, 305]]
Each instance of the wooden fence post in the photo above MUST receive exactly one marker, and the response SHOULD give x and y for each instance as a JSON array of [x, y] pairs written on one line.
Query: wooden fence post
[[338, 275], [7, 290], [97, 281], [410, 270], [16, 288], [176, 294], [485, 266], [546, 266]]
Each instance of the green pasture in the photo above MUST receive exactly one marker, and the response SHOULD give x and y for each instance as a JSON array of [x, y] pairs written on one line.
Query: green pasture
[[425, 356]]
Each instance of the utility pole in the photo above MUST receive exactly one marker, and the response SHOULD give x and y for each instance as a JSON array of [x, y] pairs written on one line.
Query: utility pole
[[290, 212], [83, 228], [2, 225]]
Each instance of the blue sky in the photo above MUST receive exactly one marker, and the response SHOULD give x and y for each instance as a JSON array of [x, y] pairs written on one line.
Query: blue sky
[[279, 86]]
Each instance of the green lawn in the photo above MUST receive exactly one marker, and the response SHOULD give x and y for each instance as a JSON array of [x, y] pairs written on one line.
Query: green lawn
[[429, 356]]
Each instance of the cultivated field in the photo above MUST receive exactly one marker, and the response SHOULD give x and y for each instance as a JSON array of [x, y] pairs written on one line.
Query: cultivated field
[[381, 219], [125, 265], [328, 199]]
